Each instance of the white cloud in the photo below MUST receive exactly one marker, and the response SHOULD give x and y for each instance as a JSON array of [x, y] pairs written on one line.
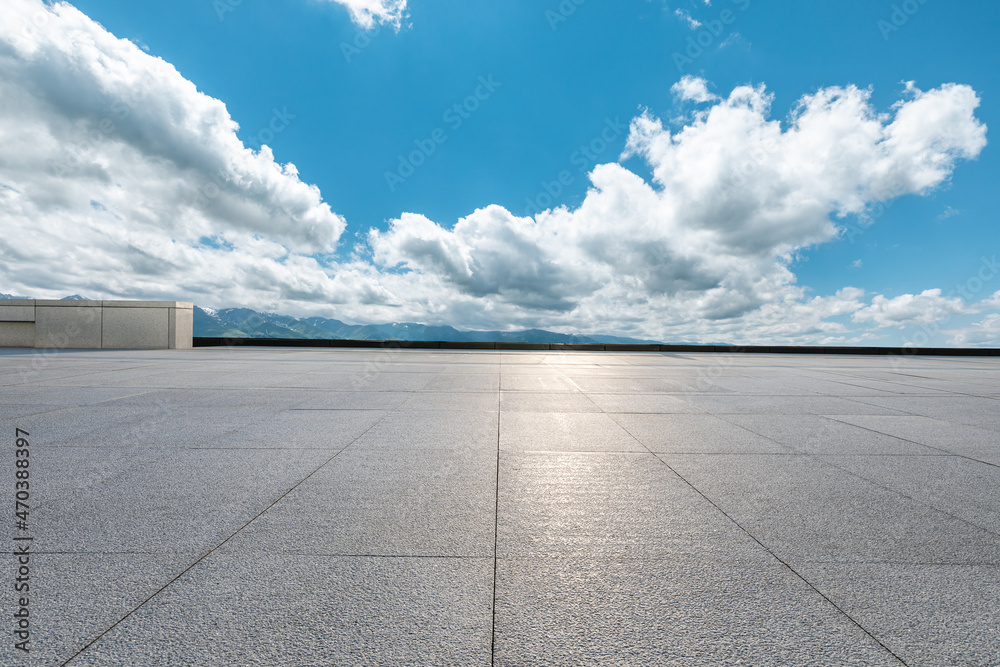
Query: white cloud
[[114, 166], [949, 212], [990, 303], [165, 202], [986, 332], [685, 17], [734, 197], [931, 131], [367, 13], [734, 38], [909, 309], [692, 88]]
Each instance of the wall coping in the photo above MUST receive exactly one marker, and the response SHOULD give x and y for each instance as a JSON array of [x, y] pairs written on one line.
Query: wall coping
[[58, 303], [185, 305]]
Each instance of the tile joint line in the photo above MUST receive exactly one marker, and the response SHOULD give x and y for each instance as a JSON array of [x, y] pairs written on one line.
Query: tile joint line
[[216, 547], [778, 558], [496, 517]]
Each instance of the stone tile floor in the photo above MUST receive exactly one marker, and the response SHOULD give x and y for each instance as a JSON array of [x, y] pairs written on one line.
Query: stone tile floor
[[264, 506]]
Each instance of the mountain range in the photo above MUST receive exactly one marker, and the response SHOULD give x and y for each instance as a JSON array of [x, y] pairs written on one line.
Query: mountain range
[[248, 323]]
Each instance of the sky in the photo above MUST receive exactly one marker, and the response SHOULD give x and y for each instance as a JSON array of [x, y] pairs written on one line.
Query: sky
[[723, 171]]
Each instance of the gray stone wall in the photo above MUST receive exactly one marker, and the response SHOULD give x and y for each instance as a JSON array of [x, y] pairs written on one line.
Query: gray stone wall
[[148, 325]]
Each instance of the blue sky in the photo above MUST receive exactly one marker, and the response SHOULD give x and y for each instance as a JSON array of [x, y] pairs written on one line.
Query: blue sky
[[552, 78]]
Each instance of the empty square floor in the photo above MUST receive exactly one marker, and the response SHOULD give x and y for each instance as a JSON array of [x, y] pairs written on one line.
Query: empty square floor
[[268, 506]]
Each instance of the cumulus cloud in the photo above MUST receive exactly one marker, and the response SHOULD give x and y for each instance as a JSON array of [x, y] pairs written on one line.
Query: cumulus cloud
[[692, 88], [119, 179], [367, 13], [986, 332], [911, 309], [734, 196], [115, 164], [990, 303]]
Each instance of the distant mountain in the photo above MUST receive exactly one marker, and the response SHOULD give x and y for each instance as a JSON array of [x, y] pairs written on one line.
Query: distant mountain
[[247, 323], [72, 297]]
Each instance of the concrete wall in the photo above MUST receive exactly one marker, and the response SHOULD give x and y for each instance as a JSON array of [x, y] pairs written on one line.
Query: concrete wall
[[145, 325]]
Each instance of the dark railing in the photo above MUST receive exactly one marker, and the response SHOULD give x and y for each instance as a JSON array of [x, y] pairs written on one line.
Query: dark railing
[[595, 347]]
